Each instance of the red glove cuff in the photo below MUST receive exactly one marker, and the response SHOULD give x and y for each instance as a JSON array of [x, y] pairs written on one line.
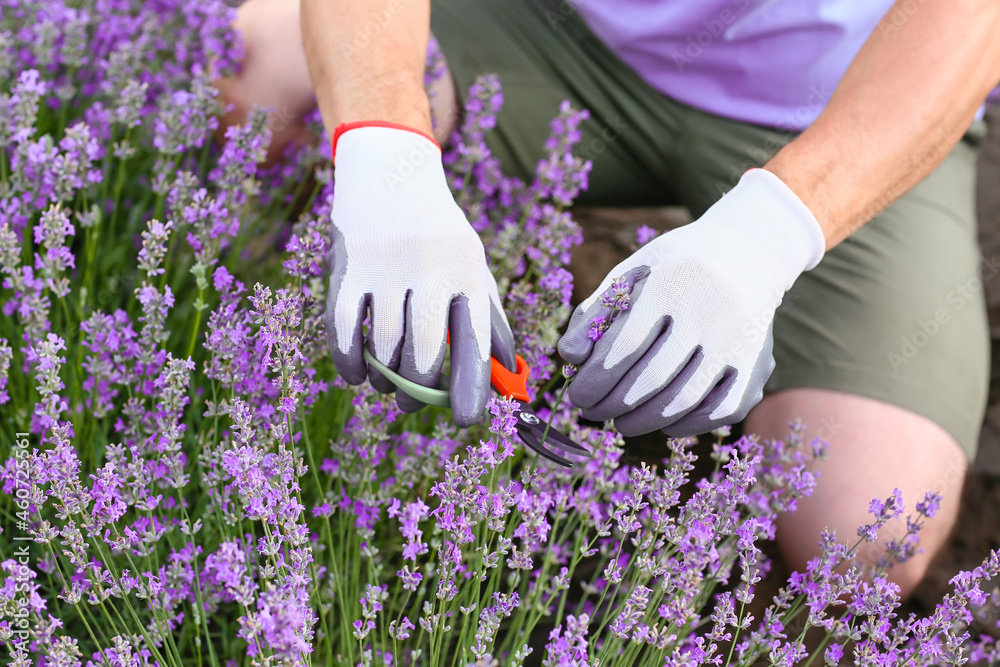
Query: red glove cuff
[[344, 127]]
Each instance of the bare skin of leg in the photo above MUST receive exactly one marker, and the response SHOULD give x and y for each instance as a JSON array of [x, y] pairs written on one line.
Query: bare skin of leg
[[874, 448], [275, 74]]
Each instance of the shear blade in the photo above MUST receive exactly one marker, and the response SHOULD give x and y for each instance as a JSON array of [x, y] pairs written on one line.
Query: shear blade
[[529, 438], [554, 436]]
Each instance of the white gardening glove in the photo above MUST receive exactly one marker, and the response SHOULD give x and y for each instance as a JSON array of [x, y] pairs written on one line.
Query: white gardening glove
[[403, 251], [693, 351]]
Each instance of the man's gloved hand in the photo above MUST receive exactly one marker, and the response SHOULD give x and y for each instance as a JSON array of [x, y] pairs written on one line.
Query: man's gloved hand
[[693, 351], [403, 250]]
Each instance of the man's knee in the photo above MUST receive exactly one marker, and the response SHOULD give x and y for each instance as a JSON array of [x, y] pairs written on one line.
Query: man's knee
[[874, 448]]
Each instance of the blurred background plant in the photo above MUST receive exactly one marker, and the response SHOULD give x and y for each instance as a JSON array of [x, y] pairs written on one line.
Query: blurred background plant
[[185, 481]]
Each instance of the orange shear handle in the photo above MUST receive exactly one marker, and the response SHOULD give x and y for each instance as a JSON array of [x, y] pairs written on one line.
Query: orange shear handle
[[504, 381], [511, 384]]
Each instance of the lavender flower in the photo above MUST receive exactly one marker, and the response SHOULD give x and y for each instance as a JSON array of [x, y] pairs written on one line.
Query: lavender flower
[[280, 319], [569, 646], [561, 175], [51, 233], [882, 511], [156, 304], [645, 234], [6, 354], [71, 169], [245, 148], [154, 247], [22, 106], [186, 118], [172, 389], [489, 622], [616, 298], [47, 364], [475, 173], [371, 604]]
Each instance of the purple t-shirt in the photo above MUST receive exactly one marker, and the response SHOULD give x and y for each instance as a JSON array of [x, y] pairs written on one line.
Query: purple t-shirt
[[770, 62]]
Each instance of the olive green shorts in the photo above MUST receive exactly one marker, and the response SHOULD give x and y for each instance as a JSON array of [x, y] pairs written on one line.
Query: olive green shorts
[[895, 313]]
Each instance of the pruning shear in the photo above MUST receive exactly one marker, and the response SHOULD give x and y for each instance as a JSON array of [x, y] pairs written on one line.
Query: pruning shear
[[531, 430]]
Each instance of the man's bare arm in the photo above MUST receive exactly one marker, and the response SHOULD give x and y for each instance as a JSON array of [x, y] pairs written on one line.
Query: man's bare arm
[[366, 60], [905, 101]]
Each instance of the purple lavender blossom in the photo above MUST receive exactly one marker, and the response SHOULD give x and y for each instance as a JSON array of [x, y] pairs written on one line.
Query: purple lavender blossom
[[930, 505], [6, 354], [645, 234], [882, 511], [186, 118], [616, 298]]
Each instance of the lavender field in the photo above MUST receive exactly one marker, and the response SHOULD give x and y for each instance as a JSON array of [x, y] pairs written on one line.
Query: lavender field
[[185, 481]]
